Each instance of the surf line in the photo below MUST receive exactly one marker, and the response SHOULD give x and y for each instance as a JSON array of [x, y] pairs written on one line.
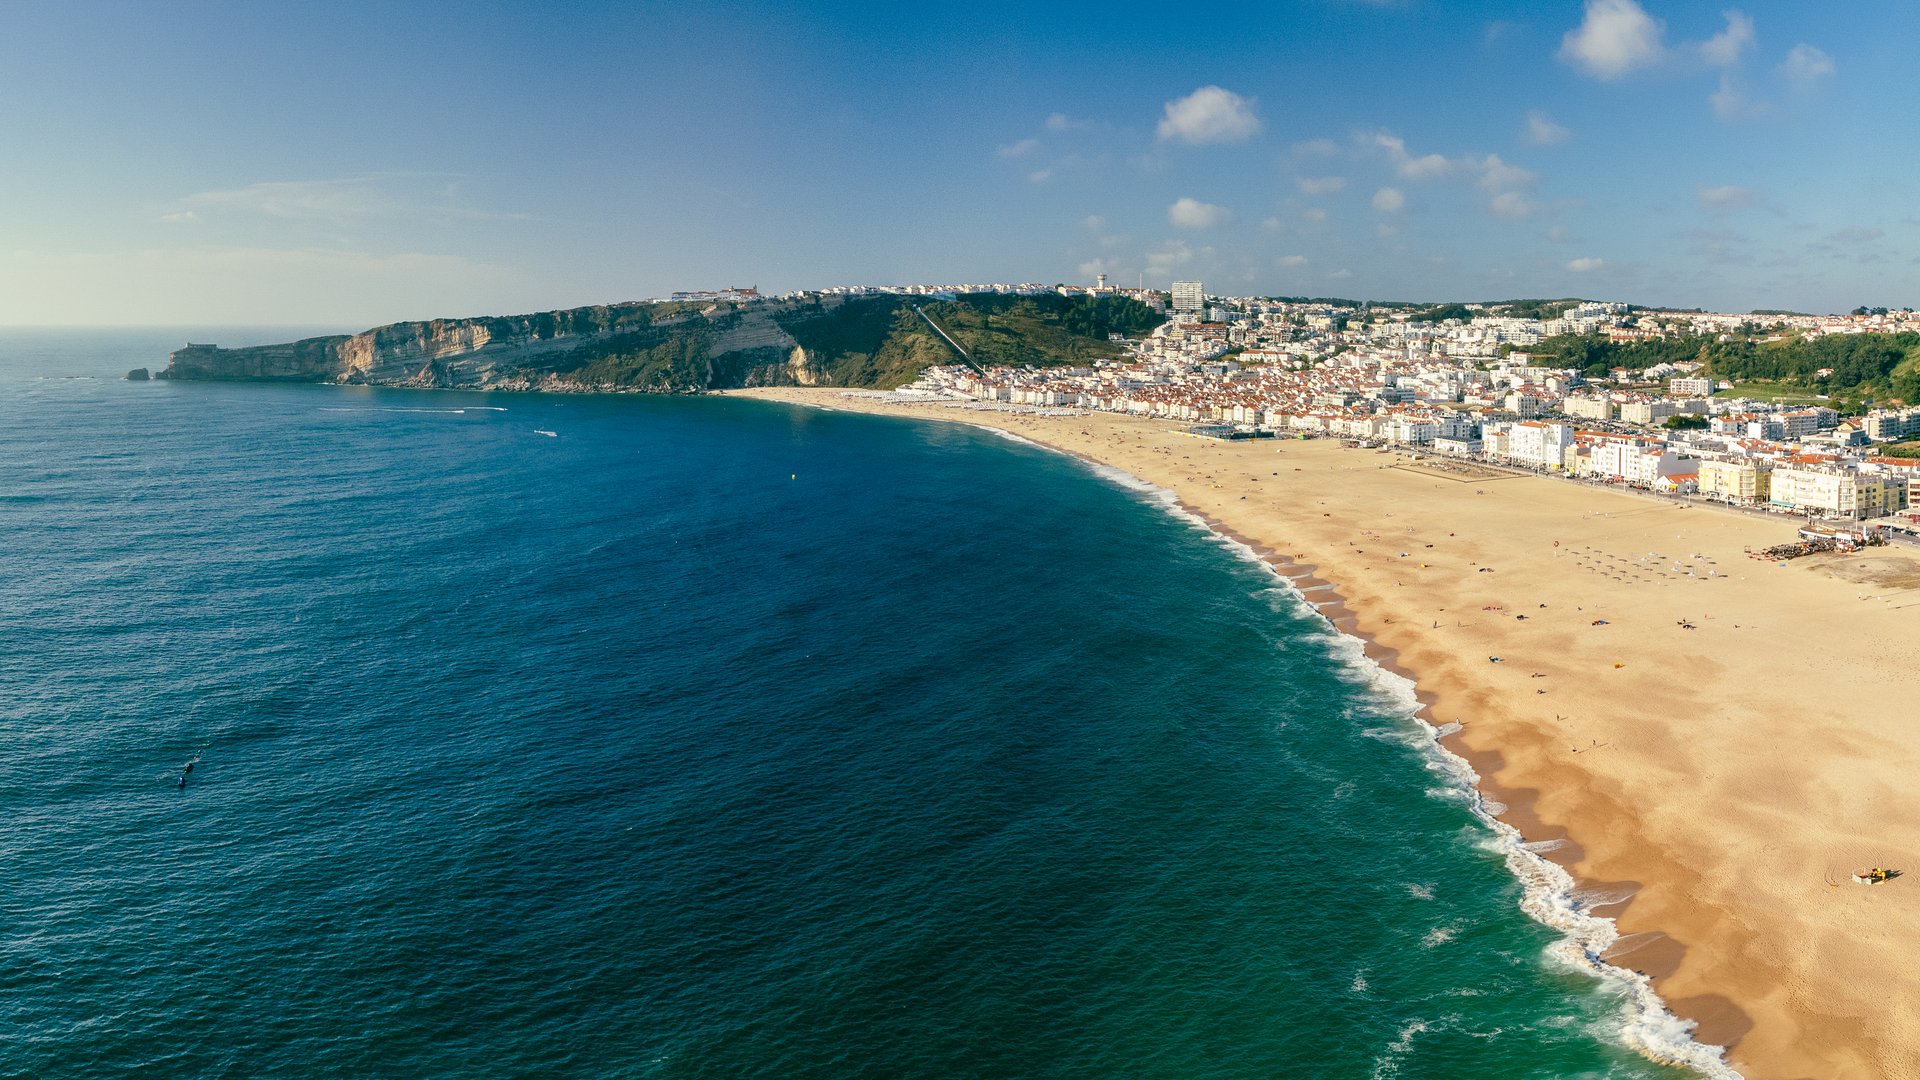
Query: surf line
[[1548, 890]]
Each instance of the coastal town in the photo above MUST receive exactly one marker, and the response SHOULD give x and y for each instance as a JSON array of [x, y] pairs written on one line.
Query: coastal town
[[1468, 390]]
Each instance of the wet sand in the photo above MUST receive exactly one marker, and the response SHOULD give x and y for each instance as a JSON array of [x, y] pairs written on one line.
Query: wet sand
[[1720, 740]]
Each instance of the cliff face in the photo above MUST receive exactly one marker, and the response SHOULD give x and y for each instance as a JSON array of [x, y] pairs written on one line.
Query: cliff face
[[678, 347], [310, 360]]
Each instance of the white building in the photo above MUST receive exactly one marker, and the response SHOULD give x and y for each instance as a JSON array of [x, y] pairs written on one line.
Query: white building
[[1540, 444], [1590, 408], [1889, 425], [1189, 297], [1646, 412], [1802, 422], [1835, 491]]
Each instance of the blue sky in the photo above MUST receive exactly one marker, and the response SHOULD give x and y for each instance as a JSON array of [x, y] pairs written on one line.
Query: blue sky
[[359, 163]]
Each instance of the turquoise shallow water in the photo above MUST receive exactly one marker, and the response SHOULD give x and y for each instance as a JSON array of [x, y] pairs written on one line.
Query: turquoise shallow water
[[704, 738]]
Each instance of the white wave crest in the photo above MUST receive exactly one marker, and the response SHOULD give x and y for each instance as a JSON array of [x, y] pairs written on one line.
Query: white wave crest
[[1548, 894], [1011, 437]]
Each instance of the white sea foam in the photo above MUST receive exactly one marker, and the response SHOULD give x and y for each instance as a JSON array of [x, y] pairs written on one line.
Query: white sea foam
[[1010, 436], [1548, 896], [1439, 935], [1599, 897], [1421, 892], [1404, 1042]]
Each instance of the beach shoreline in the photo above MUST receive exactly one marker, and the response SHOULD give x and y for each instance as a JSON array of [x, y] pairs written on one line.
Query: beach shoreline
[[1639, 817]]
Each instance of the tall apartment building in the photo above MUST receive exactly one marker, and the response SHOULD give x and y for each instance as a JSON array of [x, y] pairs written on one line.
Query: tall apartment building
[[1744, 481], [1889, 425], [1189, 297]]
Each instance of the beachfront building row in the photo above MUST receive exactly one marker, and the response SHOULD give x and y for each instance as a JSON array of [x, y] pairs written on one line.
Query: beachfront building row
[[1344, 401]]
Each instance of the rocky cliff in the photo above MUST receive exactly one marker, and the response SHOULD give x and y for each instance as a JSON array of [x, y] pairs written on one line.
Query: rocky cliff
[[669, 347]]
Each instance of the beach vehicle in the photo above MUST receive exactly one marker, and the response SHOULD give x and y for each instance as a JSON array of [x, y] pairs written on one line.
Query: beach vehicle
[[1878, 875]]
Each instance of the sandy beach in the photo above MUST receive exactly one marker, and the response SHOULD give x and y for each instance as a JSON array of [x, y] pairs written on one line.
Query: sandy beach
[[1718, 739]]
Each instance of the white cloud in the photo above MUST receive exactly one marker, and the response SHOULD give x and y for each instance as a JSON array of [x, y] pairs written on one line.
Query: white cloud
[[1039, 176], [1209, 115], [1542, 131], [1615, 37], [1582, 266], [1060, 122], [1314, 213], [181, 217], [1512, 204], [1727, 197], [1420, 167], [1805, 66], [1093, 223], [1385, 230], [1017, 149], [1497, 175], [1389, 200], [1189, 213], [1316, 148], [1724, 48], [1557, 234], [1167, 257], [1730, 102], [1293, 260], [1341, 275], [1489, 172], [1272, 224], [1325, 185]]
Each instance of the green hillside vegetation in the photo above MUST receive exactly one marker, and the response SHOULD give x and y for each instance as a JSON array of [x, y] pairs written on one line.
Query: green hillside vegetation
[[1859, 366], [874, 341], [668, 358], [1443, 312], [1538, 309]]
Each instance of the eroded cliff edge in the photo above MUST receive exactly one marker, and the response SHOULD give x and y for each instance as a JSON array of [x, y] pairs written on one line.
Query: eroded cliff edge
[[824, 340]]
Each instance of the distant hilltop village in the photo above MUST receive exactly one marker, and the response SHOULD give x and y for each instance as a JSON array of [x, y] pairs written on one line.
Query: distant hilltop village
[[1771, 410]]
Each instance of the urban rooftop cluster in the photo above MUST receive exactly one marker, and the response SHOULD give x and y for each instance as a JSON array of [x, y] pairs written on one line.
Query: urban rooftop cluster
[[1467, 388]]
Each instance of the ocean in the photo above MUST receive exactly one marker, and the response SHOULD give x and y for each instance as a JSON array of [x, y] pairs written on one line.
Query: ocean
[[587, 736]]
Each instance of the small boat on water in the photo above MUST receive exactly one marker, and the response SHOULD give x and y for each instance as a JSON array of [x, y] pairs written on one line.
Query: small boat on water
[[548, 434]]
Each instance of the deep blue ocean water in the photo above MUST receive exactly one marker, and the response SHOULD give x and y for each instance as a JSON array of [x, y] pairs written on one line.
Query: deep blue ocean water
[[702, 738]]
